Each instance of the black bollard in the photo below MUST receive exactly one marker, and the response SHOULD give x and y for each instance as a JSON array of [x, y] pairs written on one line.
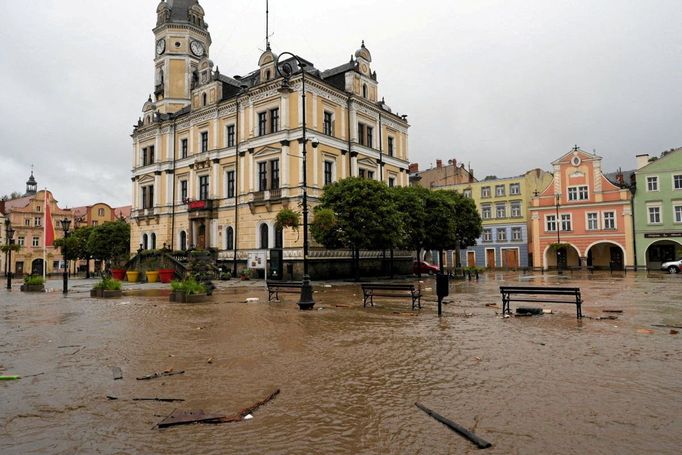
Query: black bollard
[[442, 290]]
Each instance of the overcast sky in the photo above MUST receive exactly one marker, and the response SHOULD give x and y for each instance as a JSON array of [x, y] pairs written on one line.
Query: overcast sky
[[505, 85]]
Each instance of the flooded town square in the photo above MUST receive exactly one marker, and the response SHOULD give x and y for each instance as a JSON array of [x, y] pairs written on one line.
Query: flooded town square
[[349, 377]]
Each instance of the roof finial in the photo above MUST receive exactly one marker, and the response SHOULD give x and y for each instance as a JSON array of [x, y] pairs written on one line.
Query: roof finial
[[363, 43], [575, 148]]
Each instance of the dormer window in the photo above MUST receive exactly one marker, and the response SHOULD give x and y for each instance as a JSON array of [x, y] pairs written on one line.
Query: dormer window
[[364, 90]]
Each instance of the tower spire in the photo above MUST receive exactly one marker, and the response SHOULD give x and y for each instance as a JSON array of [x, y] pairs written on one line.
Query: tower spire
[[267, 25]]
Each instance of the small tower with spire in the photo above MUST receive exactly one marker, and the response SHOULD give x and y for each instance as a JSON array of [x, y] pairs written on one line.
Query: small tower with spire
[[31, 185]]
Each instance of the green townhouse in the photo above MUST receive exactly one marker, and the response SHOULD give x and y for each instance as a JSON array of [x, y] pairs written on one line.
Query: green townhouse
[[658, 209]]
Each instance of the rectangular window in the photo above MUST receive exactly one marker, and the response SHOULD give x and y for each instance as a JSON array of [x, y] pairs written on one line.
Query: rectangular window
[[467, 193], [230, 184], [487, 235], [148, 197], [515, 189], [328, 123], [148, 155], [501, 235], [677, 182], [230, 135], [94, 223], [36, 241], [204, 142], [677, 210], [516, 210], [274, 174], [578, 193], [500, 210], [328, 166], [370, 175], [21, 240], [262, 123], [37, 221], [361, 133], [370, 138], [654, 215], [262, 176], [499, 190], [592, 221], [652, 183], [516, 234], [183, 148], [609, 220], [27, 222], [486, 212], [566, 222], [203, 187], [183, 190], [274, 120], [390, 146], [391, 182], [550, 223], [361, 173], [485, 191]]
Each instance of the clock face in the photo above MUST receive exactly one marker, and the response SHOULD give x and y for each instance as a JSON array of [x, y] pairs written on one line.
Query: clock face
[[197, 48], [160, 46], [364, 68]]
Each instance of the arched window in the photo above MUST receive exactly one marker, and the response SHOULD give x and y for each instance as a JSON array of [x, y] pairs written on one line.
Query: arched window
[[183, 240], [264, 244], [267, 75], [145, 241], [279, 238], [100, 212], [153, 241], [229, 238], [364, 90]]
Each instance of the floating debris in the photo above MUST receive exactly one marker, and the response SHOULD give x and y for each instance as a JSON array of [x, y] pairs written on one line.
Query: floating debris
[[160, 374], [479, 442]]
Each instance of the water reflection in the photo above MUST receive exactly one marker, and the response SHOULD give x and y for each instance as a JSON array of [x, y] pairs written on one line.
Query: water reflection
[[349, 375]]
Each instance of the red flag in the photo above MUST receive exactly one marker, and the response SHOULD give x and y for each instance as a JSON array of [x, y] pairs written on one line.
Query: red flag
[[49, 226]]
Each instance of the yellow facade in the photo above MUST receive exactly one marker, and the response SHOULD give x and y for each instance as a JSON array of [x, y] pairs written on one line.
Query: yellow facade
[[231, 148]]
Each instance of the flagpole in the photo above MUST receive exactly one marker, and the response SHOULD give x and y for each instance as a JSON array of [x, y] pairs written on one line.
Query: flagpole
[[45, 238]]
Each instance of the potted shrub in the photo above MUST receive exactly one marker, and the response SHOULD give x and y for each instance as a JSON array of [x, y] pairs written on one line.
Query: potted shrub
[[132, 276], [166, 273], [248, 274], [107, 288], [188, 290], [33, 283]]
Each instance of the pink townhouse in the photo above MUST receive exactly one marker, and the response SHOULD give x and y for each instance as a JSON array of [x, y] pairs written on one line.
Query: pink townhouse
[[582, 219]]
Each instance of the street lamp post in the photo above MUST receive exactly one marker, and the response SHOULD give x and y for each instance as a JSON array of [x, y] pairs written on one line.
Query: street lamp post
[[558, 235], [306, 301], [10, 233], [66, 223]]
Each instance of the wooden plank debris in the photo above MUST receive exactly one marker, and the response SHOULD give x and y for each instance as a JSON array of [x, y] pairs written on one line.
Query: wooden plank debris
[[160, 374], [480, 443]]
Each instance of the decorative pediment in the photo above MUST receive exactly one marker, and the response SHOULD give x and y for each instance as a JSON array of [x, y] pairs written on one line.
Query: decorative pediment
[[367, 162], [266, 151], [145, 179], [577, 175]]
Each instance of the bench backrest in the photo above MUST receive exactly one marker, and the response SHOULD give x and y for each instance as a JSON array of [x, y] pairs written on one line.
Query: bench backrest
[[388, 287], [284, 284], [539, 290]]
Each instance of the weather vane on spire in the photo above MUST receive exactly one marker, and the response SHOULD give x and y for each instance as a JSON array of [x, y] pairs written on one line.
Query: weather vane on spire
[[267, 25]]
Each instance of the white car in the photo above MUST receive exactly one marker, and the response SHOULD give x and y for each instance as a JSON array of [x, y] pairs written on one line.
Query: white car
[[672, 266]]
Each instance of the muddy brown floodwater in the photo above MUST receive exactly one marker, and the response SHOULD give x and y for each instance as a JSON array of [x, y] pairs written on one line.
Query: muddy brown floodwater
[[349, 376]]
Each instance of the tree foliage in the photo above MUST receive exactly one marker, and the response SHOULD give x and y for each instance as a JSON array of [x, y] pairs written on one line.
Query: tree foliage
[[364, 216], [110, 242], [76, 244]]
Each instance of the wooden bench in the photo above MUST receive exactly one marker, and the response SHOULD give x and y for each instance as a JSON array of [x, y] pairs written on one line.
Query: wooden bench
[[371, 290], [286, 287], [572, 296]]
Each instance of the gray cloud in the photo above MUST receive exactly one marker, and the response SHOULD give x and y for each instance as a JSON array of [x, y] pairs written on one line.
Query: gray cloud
[[505, 85]]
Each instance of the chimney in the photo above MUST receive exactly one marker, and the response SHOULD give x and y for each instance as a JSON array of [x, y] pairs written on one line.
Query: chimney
[[439, 164], [414, 167], [471, 175], [642, 160]]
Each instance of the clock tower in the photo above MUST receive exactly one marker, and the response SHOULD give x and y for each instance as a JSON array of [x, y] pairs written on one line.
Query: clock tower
[[182, 41]]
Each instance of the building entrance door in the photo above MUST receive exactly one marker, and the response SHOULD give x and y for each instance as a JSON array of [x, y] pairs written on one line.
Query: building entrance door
[[37, 267], [471, 258], [201, 237], [510, 259], [490, 259]]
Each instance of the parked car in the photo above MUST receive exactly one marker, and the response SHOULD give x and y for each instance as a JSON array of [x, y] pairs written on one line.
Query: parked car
[[672, 266], [424, 267]]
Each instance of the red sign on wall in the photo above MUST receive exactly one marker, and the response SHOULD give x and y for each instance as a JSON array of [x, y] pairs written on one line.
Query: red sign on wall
[[197, 205]]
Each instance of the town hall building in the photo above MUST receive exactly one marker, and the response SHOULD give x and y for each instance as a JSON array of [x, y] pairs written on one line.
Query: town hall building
[[215, 158]]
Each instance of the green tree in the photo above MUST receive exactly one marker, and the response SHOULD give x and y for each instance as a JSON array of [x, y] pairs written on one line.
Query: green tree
[[363, 216], [110, 242]]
